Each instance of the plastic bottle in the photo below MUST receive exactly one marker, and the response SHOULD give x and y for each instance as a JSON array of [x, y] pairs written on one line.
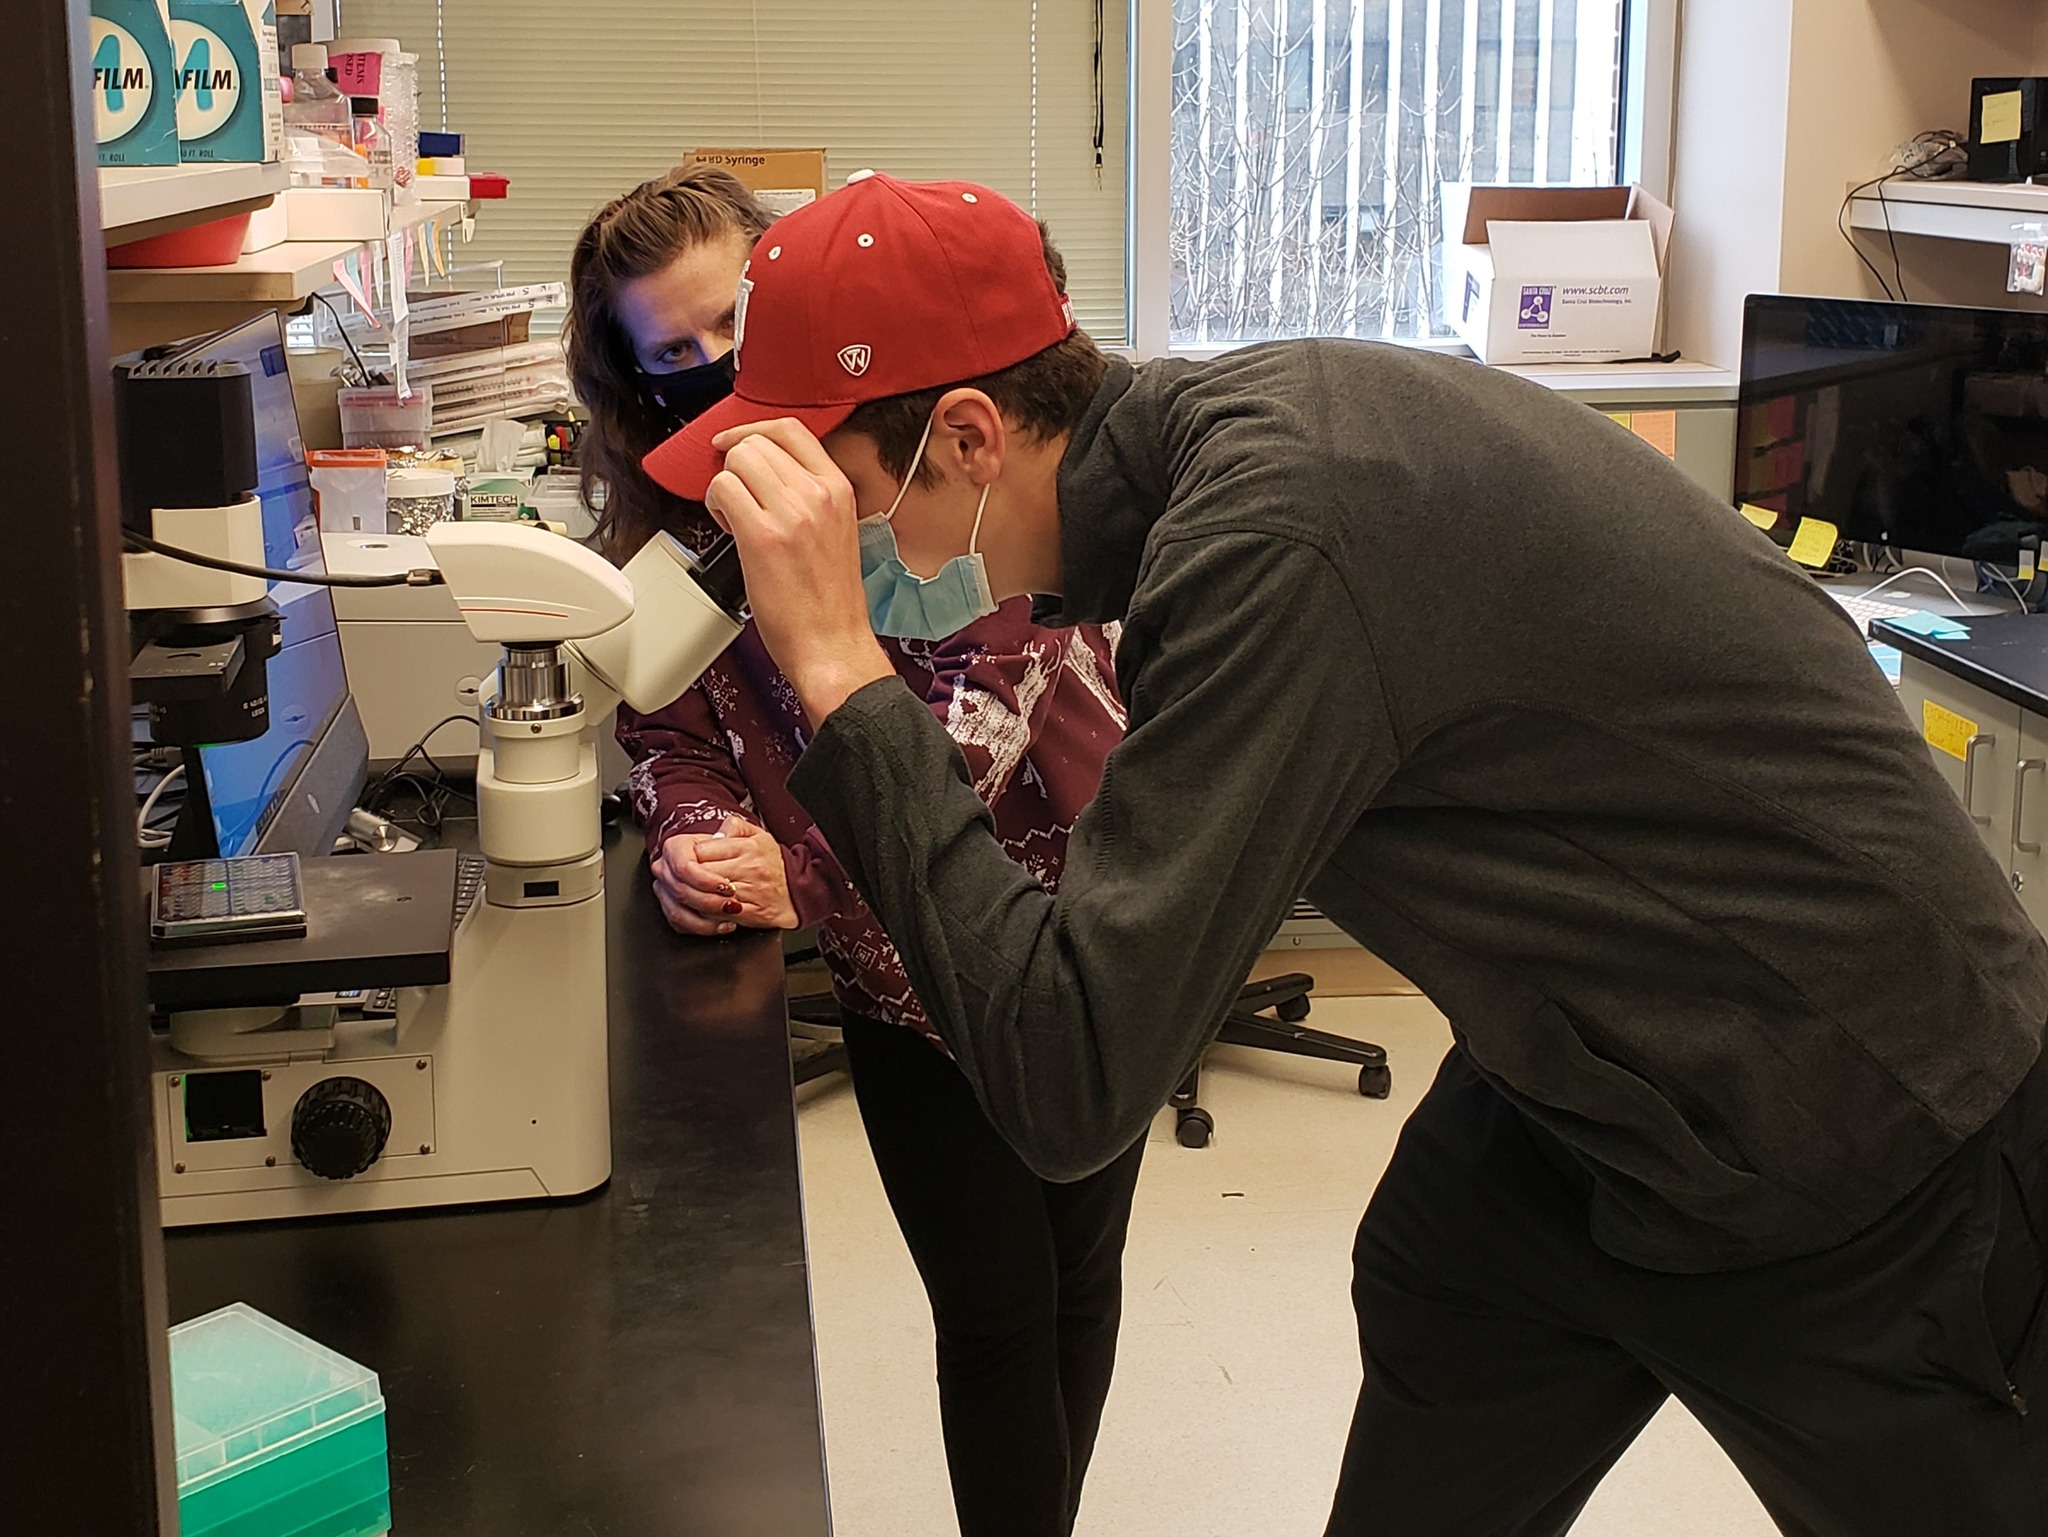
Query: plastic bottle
[[318, 131], [371, 141], [370, 70], [401, 97]]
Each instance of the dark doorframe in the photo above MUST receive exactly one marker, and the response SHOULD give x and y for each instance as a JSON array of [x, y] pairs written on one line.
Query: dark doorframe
[[82, 1346]]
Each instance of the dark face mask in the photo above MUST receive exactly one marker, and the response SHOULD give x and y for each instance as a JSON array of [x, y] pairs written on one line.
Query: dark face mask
[[684, 395]]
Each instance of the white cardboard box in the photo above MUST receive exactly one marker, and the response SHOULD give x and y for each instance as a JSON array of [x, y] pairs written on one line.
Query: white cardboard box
[[320, 213], [1554, 274]]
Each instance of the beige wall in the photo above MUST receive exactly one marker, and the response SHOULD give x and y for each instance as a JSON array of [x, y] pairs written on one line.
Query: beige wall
[[1868, 75], [1782, 105], [1728, 154]]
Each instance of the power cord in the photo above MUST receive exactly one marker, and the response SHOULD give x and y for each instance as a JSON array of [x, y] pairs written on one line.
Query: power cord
[[424, 576], [1842, 228], [147, 836], [1929, 571], [1984, 569], [1936, 155], [434, 793], [363, 372], [1900, 576]]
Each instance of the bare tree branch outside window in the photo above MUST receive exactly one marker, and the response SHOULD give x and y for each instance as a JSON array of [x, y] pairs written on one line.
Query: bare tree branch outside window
[[1311, 139]]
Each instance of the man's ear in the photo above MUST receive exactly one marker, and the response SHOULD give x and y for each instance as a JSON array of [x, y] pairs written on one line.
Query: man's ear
[[976, 437]]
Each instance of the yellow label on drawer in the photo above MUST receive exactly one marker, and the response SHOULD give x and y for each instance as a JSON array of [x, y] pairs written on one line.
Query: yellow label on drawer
[[1945, 730]]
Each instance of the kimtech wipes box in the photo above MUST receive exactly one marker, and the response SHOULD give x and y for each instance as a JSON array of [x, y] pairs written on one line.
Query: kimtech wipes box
[[1554, 274], [134, 89], [229, 103]]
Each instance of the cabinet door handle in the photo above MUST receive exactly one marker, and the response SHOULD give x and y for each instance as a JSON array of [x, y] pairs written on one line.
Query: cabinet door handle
[[1970, 777], [2019, 801]]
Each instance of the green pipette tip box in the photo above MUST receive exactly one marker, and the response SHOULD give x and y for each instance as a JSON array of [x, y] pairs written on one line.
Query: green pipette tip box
[[276, 1436]]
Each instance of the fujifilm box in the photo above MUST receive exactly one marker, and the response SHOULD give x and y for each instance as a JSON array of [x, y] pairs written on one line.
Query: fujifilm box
[[134, 84], [229, 102], [1554, 274]]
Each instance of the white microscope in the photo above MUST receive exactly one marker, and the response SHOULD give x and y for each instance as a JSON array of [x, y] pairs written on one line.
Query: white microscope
[[494, 1086]]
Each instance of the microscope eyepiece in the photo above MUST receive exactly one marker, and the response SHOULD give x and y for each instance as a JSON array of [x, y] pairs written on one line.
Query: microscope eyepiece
[[716, 569]]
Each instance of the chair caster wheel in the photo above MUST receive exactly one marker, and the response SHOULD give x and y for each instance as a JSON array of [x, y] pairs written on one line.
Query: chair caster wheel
[[1192, 1128], [1292, 1010], [1375, 1082]]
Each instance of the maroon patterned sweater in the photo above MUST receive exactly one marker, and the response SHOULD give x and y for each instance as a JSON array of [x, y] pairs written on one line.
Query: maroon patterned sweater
[[1034, 710]]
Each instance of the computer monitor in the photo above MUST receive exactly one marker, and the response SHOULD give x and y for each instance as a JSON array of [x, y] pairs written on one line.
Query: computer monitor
[[1918, 426], [293, 787]]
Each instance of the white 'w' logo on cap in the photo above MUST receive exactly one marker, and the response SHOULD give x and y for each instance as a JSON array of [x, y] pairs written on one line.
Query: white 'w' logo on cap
[[855, 359]]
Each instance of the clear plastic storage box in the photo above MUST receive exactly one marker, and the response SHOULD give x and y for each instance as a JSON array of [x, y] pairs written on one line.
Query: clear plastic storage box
[[276, 1436]]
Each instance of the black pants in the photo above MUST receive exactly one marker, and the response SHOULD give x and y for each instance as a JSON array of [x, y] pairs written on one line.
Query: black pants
[[1025, 1279], [1878, 1388]]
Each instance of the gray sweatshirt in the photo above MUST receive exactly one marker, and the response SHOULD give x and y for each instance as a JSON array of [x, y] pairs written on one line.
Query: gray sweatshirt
[[1536, 719]]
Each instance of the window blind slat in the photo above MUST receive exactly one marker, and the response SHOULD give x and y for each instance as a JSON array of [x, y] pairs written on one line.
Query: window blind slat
[[575, 103]]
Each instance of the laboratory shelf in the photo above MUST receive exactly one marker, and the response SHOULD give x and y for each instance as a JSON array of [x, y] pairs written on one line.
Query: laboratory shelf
[[1682, 382], [280, 275], [413, 215], [1984, 212], [136, 201], [283, 274]]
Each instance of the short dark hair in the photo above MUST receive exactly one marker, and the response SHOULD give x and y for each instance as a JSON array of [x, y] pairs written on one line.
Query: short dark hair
[[1046, 395]]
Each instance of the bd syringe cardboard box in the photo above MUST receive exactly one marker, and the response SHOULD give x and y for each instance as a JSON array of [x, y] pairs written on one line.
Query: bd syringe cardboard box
[[783, 179], [1554, 274]]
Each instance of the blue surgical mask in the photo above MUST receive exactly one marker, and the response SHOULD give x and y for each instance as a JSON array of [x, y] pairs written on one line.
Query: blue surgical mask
[[912, 607]]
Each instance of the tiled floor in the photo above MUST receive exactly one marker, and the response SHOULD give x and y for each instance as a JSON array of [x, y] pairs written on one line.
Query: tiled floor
[[1238, 1365]]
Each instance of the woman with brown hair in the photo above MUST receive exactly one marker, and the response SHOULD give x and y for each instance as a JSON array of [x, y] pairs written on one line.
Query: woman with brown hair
[[1024, 1276]]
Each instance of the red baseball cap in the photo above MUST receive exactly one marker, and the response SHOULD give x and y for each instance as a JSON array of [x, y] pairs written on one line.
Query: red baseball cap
[[882, 288]]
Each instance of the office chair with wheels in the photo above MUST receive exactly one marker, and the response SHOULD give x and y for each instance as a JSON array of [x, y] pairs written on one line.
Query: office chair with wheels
[[814, 1021], [1247, 1025]]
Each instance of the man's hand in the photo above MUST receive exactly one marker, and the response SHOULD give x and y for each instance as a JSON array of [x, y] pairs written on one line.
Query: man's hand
[[749, 863], [791, 512]]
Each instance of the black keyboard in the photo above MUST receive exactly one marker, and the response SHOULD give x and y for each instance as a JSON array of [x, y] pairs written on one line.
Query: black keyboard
[[469, 883]]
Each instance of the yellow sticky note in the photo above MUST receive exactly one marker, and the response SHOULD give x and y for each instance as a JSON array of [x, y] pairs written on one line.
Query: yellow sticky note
[[1945, 730], [2000, 123], [1813, 543], [1659, 429], [1619, 418], [1762, 517]]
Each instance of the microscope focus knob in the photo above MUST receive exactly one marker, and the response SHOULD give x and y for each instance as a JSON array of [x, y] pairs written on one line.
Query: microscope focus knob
[[340, 1126]]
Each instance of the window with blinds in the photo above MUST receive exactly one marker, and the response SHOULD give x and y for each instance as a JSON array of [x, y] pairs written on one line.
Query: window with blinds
[[1311, 140], [576, 103]]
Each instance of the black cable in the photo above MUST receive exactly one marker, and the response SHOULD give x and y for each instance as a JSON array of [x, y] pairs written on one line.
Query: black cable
[[1841, 214], [1099, 94], [1892, 240], [434, 794], [362, 368], [419, 748], [422, 577]]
